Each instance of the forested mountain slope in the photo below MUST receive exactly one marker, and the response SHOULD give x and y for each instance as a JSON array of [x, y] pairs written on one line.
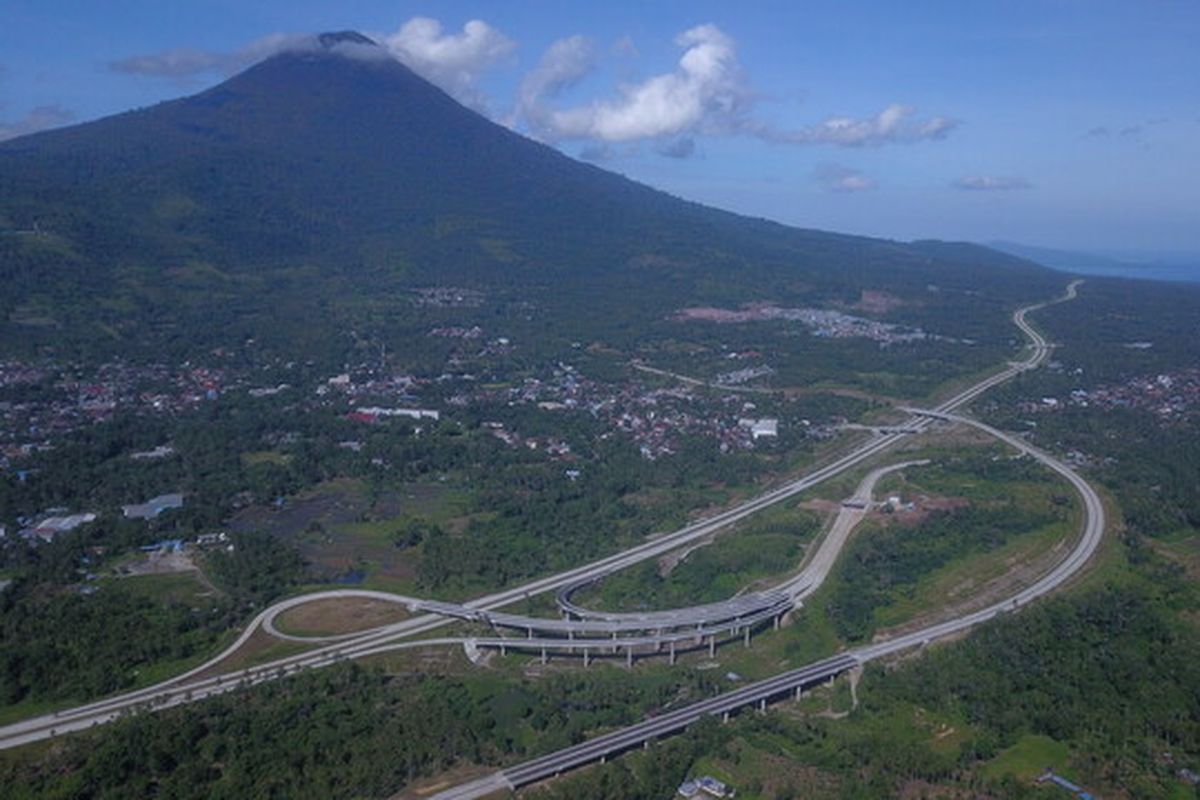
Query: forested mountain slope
[[306, 194]]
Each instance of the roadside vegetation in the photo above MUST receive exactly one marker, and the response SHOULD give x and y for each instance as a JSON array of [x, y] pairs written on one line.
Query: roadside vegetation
[[977, 716]]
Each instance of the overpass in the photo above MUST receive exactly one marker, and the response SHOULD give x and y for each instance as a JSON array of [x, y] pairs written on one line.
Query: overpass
[[198, 683], [763, 692]]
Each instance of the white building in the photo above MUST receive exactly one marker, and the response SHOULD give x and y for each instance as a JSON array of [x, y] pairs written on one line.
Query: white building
[[759, 428], [412, 413]]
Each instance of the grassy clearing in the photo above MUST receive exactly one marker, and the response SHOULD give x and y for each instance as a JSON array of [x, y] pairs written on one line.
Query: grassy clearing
[[981, 524], [1027, 759], [974, 576], [346, 528], [188, 588], [754, 553]]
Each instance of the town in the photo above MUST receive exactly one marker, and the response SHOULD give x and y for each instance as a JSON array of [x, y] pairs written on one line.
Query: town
[[1169, 396], [821, 322]]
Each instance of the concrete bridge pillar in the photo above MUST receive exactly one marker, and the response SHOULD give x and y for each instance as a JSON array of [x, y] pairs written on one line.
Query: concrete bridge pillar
[[762, 705], [725, 718], [712, 646], [775, 622], [543, 655], [586, 660], [629, 656], [747, 635], [672, 652]]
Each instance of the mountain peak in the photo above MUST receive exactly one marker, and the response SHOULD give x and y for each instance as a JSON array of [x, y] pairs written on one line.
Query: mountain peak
[[332, 39]]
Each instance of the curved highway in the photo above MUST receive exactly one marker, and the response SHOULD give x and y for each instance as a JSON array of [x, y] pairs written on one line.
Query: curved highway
[[189, 687], [852, 512], [793, 682]]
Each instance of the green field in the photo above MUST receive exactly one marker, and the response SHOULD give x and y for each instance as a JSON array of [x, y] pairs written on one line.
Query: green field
[[1028, 758]]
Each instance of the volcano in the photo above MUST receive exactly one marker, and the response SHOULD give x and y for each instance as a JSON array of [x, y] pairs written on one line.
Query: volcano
[[331, 172]]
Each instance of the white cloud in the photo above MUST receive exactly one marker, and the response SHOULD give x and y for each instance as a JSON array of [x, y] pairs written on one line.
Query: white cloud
[[892, 125], [187, 62], [563, 65], [705, 92], [38, 119], [178, 62], [837, 178], [1135, 133], [991, 183], [454, 62]]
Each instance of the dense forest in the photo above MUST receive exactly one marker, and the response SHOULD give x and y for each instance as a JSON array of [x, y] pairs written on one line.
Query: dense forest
[[1110, 670], [317, 218]]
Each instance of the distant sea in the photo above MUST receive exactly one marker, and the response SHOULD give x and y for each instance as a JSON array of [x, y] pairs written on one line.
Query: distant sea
[[1178, 266], [1151, 272]]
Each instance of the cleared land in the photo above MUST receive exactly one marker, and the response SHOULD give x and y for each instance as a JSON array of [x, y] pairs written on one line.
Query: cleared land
[[339, 615]]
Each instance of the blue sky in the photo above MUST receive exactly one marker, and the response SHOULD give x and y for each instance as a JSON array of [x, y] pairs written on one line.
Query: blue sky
[[1066, 123]]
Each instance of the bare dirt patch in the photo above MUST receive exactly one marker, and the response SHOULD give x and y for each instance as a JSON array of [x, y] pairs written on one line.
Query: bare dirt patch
[[877, 302], [431, 786], [821, 506], [339, 615], [924, 505], [159, 562]]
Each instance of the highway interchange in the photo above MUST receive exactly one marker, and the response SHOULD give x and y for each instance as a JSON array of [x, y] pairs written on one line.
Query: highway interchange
[[594, 633]]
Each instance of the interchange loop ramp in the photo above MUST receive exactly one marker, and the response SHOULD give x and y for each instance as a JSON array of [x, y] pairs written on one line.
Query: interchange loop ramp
[[711, 612], [206, 680], [714, 616]]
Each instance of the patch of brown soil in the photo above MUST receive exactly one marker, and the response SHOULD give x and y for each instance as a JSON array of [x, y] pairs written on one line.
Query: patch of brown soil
[[159, 562], [924, 505], [339, 615], [821, 506], [431, 786], [877, 302]]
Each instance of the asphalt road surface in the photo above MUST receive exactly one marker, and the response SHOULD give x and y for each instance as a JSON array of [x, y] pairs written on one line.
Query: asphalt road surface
[[190, 687]]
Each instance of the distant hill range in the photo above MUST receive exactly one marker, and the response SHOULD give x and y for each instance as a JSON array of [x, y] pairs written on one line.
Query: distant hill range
[[1179, 267], [307, 196]]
